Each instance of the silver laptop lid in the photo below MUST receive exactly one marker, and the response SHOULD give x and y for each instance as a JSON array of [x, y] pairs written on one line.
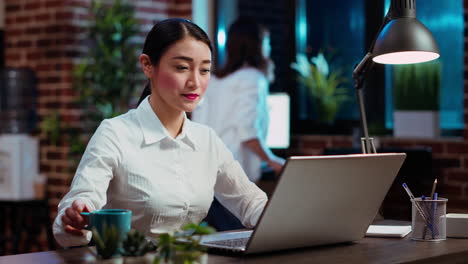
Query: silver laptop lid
[[324, 200]]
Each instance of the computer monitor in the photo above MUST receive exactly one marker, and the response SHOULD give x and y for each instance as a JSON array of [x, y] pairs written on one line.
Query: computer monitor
[[279, 128]]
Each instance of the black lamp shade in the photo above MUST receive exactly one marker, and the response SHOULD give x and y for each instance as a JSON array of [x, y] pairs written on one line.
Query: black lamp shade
[[405, 40]]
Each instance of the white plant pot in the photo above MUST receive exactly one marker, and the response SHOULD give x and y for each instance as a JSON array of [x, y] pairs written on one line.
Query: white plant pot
[[202, 259], [420, 124], [114, 260], [146, 259]]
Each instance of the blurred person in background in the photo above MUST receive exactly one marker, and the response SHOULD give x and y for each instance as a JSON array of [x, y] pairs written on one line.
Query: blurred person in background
[[235, 106]]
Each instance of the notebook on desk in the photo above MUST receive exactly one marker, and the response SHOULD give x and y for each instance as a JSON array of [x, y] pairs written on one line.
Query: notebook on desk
[[318, 200]]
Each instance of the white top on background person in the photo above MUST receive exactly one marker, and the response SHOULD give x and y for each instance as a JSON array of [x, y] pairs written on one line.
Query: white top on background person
[[236, 108], [153, 160], [235, 105]]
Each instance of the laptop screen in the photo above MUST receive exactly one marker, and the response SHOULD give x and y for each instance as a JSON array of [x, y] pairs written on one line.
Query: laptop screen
[[278, 130]]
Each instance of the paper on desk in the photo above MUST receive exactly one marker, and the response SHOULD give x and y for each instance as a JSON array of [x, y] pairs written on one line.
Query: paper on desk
[[388, 231]]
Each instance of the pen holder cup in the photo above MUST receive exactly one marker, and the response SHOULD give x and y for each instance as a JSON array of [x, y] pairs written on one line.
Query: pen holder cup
[[429, 219]]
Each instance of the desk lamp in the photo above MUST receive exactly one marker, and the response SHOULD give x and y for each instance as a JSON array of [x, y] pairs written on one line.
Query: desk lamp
[[402, 39]]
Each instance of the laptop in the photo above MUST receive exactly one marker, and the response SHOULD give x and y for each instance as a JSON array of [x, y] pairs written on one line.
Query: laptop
[[318, 200]]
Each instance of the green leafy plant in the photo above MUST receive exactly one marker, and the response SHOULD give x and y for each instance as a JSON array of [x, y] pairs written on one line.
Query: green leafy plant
[[106, 76], [417, 86], [183, 245], [325, 88], [107, 243], [136, 244], [51, 126]]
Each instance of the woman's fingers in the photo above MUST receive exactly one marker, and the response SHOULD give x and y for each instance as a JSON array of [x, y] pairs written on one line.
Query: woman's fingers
[[74, 231]]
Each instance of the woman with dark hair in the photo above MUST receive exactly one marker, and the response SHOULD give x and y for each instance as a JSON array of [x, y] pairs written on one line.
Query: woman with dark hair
[[153, 160], [235, 104]]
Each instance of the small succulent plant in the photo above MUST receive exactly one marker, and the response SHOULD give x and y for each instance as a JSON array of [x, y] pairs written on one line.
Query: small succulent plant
[[136, 244], [107, 243], [183, 245]]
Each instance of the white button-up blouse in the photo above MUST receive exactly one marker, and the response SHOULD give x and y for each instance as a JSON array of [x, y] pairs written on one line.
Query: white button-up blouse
[[132, 163]]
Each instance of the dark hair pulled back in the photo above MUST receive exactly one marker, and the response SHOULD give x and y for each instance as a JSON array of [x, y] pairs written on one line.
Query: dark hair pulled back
[[244, 46], [164, 34]]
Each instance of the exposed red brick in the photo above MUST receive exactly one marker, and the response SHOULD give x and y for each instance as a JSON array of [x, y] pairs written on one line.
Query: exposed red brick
[[180, 13], [78, 3], [44, 168], [53, 155], [457, 148], [67, 79], [32, 5], [64, 66], [314, 144], [33, 30], [44, 67], [23, 44], [70, 118], [23, 19], [45, 42], [65, 41], [58, 182], [12, 33], [437, 147], [33, 56], [64, 15], [42, 17], [151, 10], [342, 143], [450, 191], [13, 57], [9, 21], [53, 3], [53, 54], [456, 204], [53, 29], [461, 176], [10, 8]]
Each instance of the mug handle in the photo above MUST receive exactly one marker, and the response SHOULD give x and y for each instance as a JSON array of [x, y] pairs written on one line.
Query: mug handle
[[87, 214]]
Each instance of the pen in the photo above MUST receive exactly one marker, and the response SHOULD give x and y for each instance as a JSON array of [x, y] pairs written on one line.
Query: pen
[[430, 223], [435, 197], [410, 194]]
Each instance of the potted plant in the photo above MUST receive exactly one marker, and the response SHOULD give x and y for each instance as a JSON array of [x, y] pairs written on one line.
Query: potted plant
[[107, 244], [416, 90], [135, 248], [325, 88], [106, 76], [183, 247]]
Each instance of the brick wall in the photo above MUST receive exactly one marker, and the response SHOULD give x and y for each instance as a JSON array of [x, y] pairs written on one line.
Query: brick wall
[[48, 36]]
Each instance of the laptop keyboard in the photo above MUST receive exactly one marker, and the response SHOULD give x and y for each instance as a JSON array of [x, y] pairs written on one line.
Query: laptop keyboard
[[236, 242]]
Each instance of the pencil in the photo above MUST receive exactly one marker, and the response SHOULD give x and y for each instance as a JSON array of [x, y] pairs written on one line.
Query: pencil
[[433, 188]]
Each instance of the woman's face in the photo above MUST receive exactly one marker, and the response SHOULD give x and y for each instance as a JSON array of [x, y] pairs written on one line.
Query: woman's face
[[180, 79]]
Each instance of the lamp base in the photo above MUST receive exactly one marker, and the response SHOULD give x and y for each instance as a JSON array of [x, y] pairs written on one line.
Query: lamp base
[[368, 146]]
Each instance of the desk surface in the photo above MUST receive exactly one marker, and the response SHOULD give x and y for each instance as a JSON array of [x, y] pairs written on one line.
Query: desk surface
[[367, 250]]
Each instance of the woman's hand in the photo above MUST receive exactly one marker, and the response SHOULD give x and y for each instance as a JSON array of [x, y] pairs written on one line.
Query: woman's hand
[[72, 220], [276, 164]]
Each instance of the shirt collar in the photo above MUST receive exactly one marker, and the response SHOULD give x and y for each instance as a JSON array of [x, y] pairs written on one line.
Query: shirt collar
[[153, 130]]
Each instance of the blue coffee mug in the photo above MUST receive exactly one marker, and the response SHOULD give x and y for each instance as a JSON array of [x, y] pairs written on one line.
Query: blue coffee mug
[[121, 219]]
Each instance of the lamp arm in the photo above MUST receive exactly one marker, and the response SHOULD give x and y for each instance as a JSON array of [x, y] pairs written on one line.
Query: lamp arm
[[359, 76]]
